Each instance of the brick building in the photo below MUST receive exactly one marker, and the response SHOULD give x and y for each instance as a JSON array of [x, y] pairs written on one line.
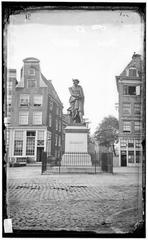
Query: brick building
[[129, 85], [65, 122], [36, 118]]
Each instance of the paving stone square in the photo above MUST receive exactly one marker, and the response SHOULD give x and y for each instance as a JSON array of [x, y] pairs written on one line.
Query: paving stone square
[[103, 203]]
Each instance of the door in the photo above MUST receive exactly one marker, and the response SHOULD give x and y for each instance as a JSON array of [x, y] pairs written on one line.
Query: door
[[123, 159], [39, 154]]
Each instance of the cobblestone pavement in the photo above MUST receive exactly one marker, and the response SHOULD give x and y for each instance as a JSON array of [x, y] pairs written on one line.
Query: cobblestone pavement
[[104, 203]]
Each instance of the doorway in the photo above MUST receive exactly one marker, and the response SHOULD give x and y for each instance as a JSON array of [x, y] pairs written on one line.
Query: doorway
[[123, 159], [39, 154]]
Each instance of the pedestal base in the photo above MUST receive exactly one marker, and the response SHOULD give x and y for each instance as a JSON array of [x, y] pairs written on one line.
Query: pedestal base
[[76, 159]]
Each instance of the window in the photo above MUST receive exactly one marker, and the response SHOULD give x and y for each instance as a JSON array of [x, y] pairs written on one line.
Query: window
[[56, 140], [37, 100], [126, 126], [131, 90], [126, 108], [30, 143], [137, 108], [57, 110], [9, 85], [60, 112], [138, 144], [50, 105], [24, 100], [9, 100], [56, 124], [138, 126], [32, 71], [50, 120], [132, 72], [18, 143], [123, 143], [130, 143], [131, 156], [37, 118], [49, 135], [32, 83], [59, 141], [138, 156], [59, 126], [40, 138], [23, 118]]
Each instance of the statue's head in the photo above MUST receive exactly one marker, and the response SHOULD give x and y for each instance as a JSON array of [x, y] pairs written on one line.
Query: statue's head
[[75, 81]]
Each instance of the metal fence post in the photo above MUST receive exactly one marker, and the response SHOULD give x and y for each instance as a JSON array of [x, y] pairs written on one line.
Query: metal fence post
[[95, 162], [44, 161]]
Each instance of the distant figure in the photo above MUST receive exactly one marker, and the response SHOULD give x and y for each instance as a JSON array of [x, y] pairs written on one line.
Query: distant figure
[[76, 101]]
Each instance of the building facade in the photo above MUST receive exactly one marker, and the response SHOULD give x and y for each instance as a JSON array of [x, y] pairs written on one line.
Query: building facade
[[129, 85], [65, 122], [36, 119], [9, 94]]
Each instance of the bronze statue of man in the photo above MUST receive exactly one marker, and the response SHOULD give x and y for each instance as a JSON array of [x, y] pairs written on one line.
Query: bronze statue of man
[[76, 101]]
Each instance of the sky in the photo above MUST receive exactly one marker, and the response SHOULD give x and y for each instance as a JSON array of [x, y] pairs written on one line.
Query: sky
[[93, 46]]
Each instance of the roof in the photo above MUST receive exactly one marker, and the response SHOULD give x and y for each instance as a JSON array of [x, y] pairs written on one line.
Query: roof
[[136, 62]]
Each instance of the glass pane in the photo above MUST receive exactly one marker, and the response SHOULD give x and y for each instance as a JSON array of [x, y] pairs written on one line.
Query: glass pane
[[131, 156], [37, 100], [18, 147], [30, 145], [37, 118], [41, 135], [18, 135], [138, 156], [30, 133]]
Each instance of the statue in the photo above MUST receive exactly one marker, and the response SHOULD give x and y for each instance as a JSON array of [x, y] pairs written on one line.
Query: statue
[[76, 101]]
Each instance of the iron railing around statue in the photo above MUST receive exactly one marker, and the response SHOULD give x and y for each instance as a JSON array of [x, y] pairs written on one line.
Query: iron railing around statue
[[76, 163], [73, 163]]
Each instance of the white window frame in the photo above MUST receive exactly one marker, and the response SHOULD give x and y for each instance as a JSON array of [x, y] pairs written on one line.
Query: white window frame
[[137, 126], [18, 138], [57, 125], [139, 108], [138, 144], [59, 142], [132, 68], [56, 139], [57, 110], [37, 118], [60, 124], [49, 136], [27, 98], [50, 105], [30, 148], [127, 110], [40, 138], [37, 100], [25, 115], [123, 143], [126, 126]]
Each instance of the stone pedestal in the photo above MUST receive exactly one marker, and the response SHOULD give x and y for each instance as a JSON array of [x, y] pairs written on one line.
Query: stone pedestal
[[76, 147]]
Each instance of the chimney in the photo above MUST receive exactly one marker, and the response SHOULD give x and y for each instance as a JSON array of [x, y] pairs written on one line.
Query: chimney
[[135, 56]]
